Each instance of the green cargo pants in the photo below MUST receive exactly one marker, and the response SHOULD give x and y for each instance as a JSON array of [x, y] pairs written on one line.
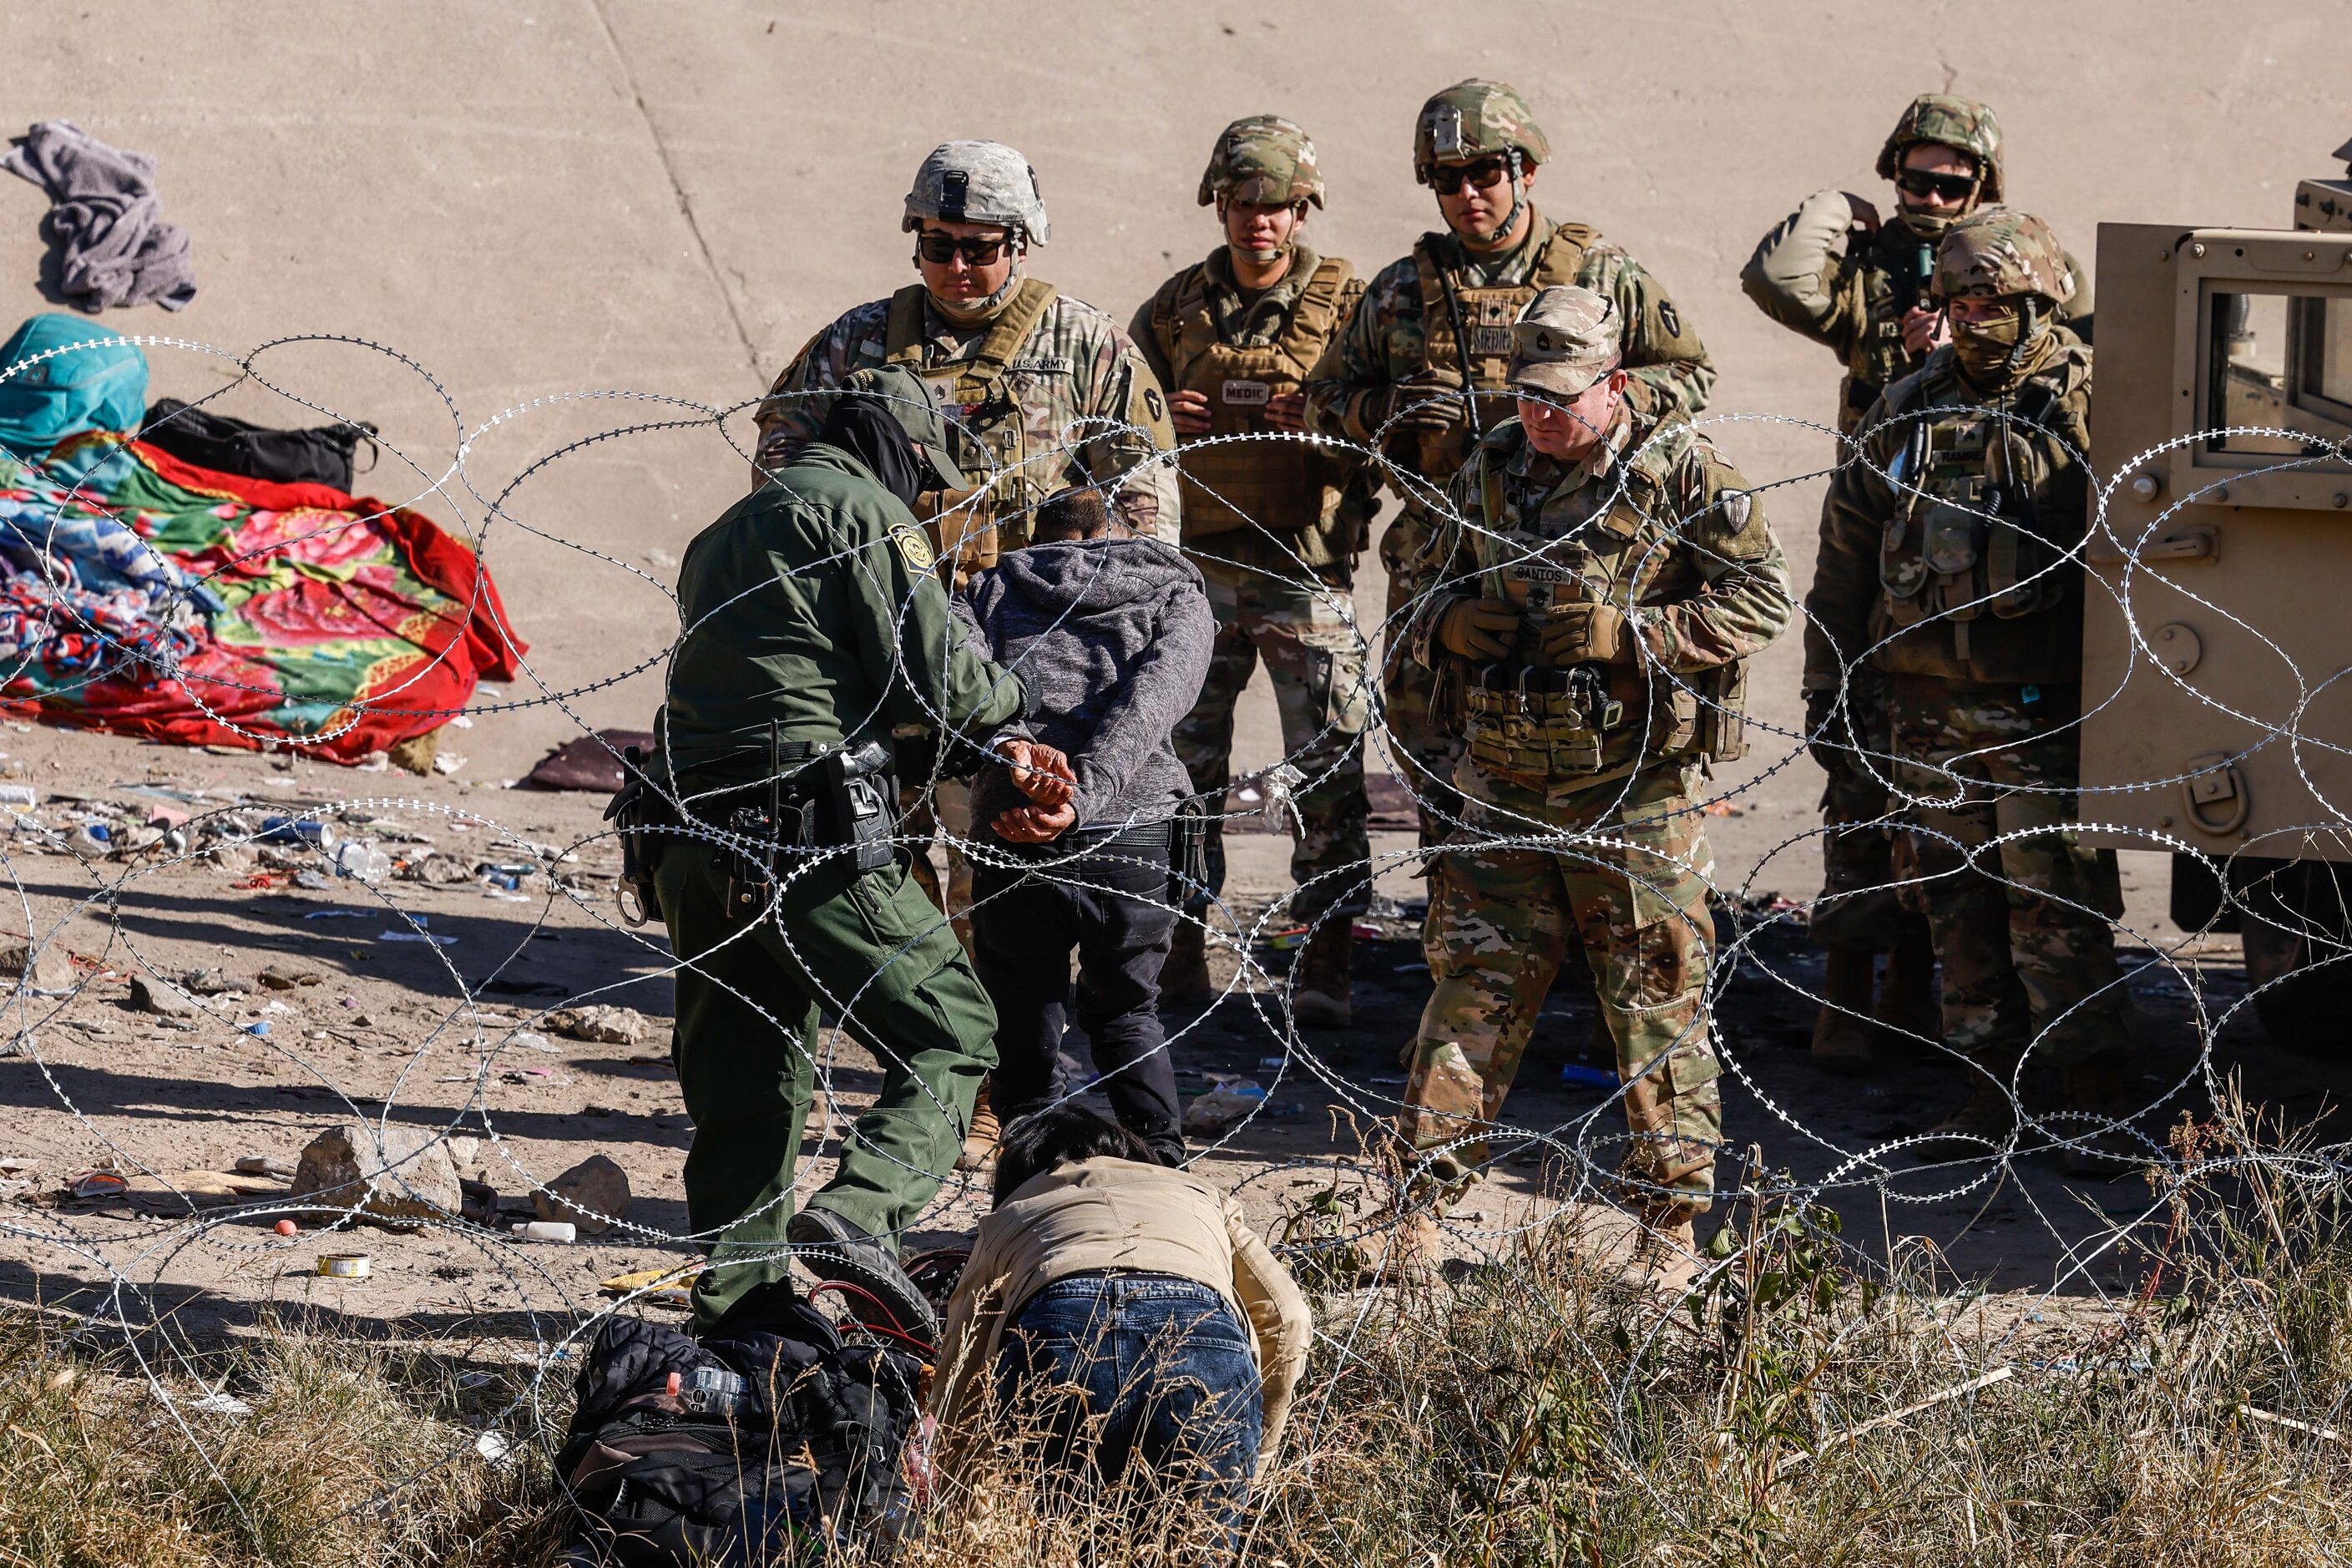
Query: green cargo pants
[[872, 951]]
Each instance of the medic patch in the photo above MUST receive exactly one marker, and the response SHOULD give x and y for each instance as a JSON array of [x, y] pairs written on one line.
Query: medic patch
[[913, 548], [1245, 392]]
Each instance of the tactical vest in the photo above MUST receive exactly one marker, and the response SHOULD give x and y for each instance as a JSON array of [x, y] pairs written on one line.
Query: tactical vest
[[988, 428], [1484, 363], [1971, 532], [1540, 729], [1877, 358], [1277, 485]]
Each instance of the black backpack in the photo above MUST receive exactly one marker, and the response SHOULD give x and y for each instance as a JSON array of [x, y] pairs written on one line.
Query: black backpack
[[229, 446], [766, 1442]]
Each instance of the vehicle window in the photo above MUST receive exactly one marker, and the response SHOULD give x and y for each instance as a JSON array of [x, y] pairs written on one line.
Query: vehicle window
[[2278, 362]]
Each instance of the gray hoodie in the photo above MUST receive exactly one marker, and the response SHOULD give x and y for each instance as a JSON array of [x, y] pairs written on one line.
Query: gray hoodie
[[1112, 637]]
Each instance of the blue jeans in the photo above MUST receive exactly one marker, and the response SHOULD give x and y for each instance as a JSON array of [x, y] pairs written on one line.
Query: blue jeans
[[1146, 1370]]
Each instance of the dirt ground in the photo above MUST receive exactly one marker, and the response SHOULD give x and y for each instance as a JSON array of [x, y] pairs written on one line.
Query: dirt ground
[[538, 205]]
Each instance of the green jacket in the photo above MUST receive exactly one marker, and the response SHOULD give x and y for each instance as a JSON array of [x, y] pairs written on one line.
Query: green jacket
[[813, 602]]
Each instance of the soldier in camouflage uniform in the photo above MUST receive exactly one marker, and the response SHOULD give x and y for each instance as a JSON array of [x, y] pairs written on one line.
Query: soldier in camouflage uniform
[[1833, 272], [1419, 370], [1585, 609], [1274, 527], [1954, 582], [1044, 392]]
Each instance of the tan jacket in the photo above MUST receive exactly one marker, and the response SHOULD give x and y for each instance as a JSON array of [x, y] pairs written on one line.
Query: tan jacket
[[1116, 1214]]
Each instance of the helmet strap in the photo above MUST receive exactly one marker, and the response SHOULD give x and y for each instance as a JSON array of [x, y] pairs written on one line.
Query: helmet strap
[[1518, 204], [967, 312]]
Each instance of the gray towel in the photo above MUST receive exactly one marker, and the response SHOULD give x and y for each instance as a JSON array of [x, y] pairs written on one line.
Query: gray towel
[[105, 220]]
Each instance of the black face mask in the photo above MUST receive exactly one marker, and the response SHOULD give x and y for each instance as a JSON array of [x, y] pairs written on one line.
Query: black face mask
[[865, 429]]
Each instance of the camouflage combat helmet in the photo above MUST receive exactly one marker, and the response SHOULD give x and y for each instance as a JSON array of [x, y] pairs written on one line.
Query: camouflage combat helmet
[[1475, 119], [1264, 160], [977, 182], [2002, 252], [1947, 122]]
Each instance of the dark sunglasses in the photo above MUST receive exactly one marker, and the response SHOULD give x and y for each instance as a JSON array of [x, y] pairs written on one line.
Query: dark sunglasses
[[1951, 187], [942, 247], [1447, 178]]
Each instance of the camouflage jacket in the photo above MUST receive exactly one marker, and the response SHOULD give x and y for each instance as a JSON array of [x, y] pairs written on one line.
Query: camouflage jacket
[[1966, 563], [1090, 409], [1655, 523], [1348, 496], [1384, 341], [1822, 273]]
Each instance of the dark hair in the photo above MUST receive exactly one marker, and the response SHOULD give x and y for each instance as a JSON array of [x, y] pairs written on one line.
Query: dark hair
[[1075, 513], [1061, 1135]]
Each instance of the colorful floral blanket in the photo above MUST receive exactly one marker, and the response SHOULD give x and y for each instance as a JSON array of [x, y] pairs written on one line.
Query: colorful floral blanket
[[151, 597]]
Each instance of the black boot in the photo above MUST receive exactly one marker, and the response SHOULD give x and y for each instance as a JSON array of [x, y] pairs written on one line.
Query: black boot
[[835, 1250]]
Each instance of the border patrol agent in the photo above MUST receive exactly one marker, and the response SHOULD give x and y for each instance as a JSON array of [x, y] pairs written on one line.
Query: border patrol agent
[[813, 621], [1587, 624], [1275, 526]]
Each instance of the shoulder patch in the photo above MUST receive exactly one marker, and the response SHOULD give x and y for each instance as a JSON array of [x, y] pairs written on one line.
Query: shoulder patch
[[913, 548]]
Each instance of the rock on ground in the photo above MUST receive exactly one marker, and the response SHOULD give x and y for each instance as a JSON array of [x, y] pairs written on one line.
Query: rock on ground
[[391, 1175], [47, 970], [592, 1194], [604, 1026]]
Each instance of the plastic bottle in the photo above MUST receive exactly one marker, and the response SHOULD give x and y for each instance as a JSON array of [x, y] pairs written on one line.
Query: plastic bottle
[[367, 861]]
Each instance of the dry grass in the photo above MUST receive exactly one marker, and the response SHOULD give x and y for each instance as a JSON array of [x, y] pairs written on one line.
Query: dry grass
[[1532, 1415]]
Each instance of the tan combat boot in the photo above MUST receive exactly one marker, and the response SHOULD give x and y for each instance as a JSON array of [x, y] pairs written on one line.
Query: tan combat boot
[[1409, 1255], [1184, 983], [980, 1143], [1844, 1037], [1906, 986], [1322, 997]]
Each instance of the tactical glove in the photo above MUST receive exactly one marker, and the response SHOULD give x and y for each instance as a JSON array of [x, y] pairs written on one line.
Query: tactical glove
[[1585, 634], [1478, 628], [1825, 732], [1425, 402]]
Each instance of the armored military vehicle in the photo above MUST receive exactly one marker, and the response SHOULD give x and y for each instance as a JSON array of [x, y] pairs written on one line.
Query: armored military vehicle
[[2217, 671]]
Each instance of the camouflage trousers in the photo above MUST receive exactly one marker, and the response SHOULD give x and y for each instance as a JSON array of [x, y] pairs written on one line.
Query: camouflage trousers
[[1869, 870], [1306, 632], [1423, 755], [1501, 923], [2024, 932]]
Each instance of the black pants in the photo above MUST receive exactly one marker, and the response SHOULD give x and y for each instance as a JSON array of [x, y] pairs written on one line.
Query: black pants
[[1111, 903]]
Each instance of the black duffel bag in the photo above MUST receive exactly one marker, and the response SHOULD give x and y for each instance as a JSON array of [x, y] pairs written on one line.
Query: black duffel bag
[[767, 1440], [229, 446]]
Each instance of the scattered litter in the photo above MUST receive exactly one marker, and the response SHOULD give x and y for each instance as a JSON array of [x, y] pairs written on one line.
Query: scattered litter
[[448, 762], [493, 1448], [546, 1230], [259, 1027], [221, 1405], [417, 936], [530, 1041], [96, 1185], [363, 862], [1222, 1107], [1576, 1074], [343, 1266], [311, 882], [19, 797], [286, 1228], [335, 915]]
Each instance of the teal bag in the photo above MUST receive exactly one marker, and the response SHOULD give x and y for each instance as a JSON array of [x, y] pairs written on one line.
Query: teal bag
[[102, 387]]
